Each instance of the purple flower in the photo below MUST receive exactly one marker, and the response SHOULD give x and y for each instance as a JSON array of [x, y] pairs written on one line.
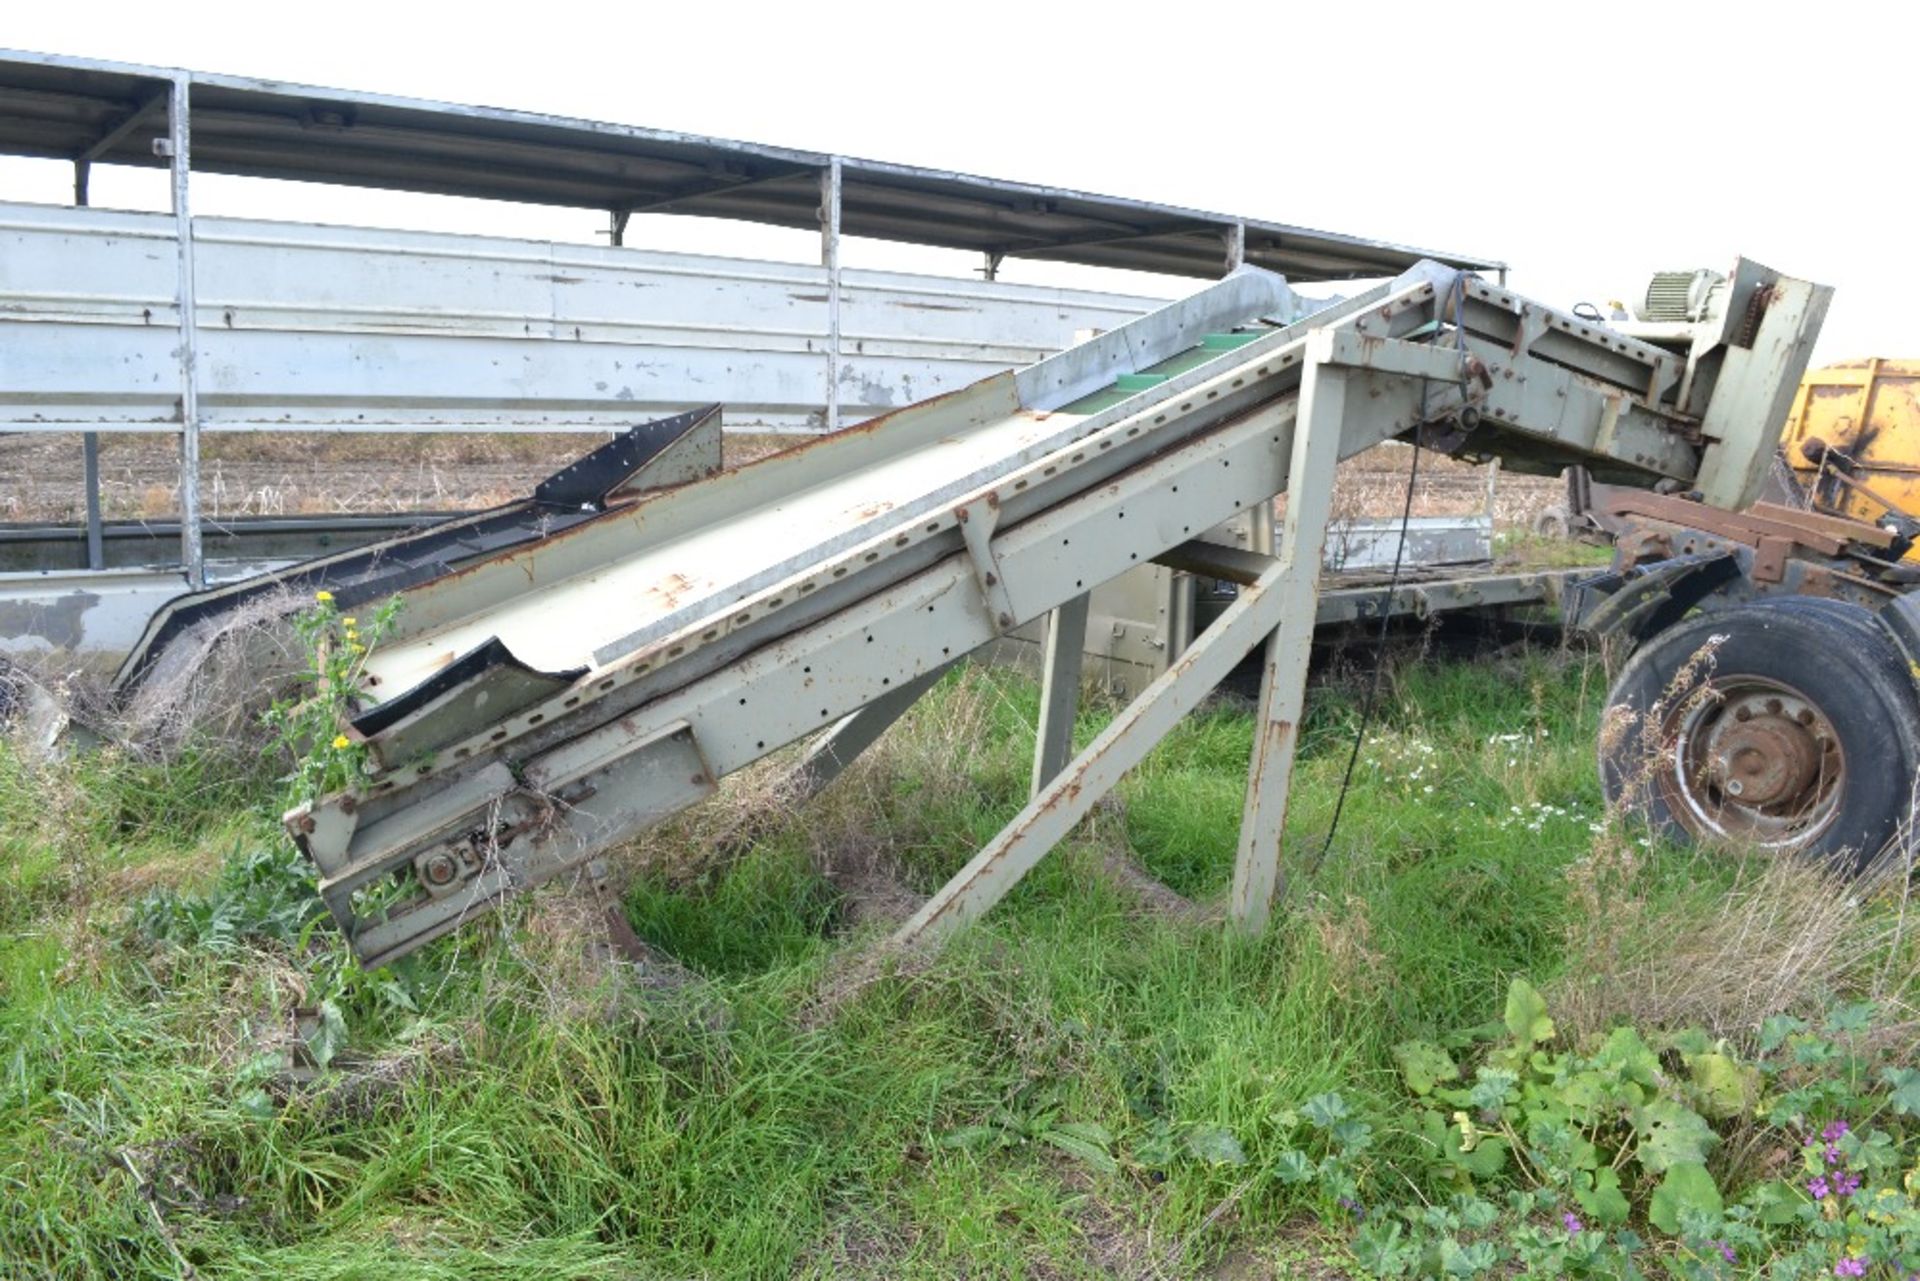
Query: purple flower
[[1818, 1187], [1726, 1251], [1846, 1183], [1572, 1221], [1851, 1266], [1835, 1130], [1348, 1203], [1832, 1155]]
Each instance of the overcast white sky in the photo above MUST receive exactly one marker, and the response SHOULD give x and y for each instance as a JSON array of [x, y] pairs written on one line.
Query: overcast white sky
[[1586, 144]]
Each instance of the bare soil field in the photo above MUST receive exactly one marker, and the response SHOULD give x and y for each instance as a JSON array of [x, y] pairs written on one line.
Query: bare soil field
[[285, 474]]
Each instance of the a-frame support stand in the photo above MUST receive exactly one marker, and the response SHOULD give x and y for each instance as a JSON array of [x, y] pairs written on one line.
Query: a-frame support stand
[[1276, 608]]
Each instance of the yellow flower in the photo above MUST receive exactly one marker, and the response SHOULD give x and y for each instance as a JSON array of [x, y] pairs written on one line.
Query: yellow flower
[[1469, 1132], [357, 648], [340, 741], [323, 596]]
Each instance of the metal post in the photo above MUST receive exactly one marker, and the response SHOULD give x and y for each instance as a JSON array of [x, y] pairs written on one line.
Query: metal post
[[1179, 604], [617, 226], [1260, 527], [992, 270], [830, 259], [1316, 452], [1236, 247], [179, 154], [1061, 653], [90, 441], [90, 453]]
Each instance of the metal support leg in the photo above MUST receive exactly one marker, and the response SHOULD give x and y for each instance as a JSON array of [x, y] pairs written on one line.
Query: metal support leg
[[1062, 803], [90, 456], [830, 259], [90, 441], [179, 147], [1179, 604], [1316, 451], [617, 226], [1061, 654], [830, 754], [1260, 521], [838, 747]]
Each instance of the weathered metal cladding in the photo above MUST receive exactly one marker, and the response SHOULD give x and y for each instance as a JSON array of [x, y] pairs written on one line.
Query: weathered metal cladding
[[763, 605], [1860, 421], [1758, 377], [299, 328]]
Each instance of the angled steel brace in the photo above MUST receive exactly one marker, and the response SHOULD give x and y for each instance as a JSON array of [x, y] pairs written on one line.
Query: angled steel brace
[[830, 754], [977, 523]]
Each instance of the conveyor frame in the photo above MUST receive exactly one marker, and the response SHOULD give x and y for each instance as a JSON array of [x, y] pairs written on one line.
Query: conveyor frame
[[932, 532]]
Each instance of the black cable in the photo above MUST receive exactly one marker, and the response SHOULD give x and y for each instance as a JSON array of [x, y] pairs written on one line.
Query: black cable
[[1380, 643], [1459, 291]]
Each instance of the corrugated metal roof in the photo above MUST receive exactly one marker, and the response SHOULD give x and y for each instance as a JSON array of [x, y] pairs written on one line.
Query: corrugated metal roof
[[75, 108]]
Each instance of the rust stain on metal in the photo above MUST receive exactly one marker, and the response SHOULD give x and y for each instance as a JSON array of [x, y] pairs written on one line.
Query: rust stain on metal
[[1740, 527], [669, 590]]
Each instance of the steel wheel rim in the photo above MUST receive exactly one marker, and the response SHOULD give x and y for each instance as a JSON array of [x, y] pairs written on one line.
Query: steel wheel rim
[[1755, 761]]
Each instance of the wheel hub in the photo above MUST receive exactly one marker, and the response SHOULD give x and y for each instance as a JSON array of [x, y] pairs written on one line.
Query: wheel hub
[[1761, 763], [1765, 760]]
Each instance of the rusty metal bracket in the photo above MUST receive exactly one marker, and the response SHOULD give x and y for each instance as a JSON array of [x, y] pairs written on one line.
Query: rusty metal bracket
[[1770, 554], [977, 522]]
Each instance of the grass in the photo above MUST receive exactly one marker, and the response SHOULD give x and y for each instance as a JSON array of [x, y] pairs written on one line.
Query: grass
[[510, 1108]]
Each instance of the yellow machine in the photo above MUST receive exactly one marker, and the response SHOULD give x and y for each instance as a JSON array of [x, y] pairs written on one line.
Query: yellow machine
[[1853, 440]]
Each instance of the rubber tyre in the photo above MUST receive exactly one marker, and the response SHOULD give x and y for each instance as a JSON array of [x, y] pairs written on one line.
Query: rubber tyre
[[1834, 653]]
